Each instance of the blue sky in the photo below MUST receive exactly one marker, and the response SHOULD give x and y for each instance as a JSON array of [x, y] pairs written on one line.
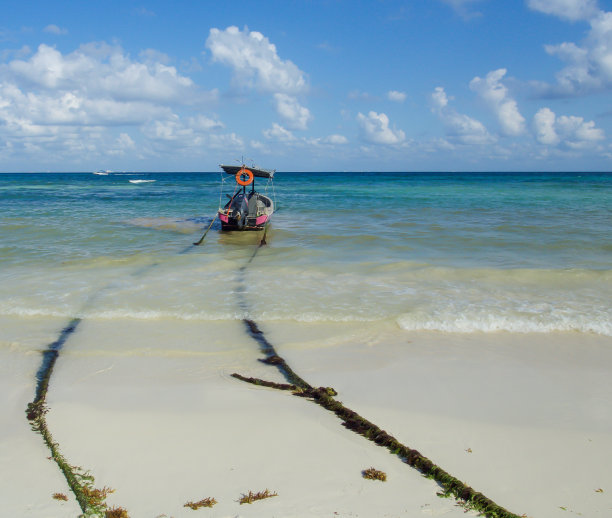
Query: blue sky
[[311, 85]]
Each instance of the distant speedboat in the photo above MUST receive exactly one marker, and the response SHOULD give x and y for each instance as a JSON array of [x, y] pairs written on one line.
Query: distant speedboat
[[102, 172], [247, 209]]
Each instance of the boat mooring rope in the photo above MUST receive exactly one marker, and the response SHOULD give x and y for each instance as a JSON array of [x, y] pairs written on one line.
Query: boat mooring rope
[[325, 397], [90, 500], [198, 243], [80, 483]]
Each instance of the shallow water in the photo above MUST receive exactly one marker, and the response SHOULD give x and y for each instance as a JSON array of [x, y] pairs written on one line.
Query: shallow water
[[447, 252]]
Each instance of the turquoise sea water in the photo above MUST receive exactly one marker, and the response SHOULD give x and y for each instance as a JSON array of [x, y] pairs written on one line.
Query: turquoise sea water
[[446, 252]]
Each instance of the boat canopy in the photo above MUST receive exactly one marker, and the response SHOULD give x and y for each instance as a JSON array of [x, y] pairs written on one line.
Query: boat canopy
[[259, 173]]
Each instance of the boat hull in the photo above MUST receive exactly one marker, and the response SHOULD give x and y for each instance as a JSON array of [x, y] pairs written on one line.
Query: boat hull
[[246, 211], [228, 223]]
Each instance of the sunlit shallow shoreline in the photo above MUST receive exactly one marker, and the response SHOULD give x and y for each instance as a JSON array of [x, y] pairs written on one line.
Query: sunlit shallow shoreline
[[469, 318]]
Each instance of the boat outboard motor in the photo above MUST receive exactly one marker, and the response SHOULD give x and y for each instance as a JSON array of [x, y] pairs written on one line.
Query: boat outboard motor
[[240, 208]]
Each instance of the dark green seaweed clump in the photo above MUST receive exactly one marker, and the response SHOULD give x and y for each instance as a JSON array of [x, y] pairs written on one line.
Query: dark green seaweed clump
[[91, 500], [205, 502], [374, 474], [251, 497], [116, 512]]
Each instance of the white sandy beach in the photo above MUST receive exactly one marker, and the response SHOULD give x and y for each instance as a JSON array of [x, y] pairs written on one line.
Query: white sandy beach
[[150, 409]]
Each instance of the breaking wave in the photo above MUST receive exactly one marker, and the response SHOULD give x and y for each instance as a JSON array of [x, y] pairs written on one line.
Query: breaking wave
[[483, 322]]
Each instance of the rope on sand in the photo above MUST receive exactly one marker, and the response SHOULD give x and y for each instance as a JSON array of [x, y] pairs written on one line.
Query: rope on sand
[[37, 410], [81, 483], [272, 358], [90, 500], [325, 397]]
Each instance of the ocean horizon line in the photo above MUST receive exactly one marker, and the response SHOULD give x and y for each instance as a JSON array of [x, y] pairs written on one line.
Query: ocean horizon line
[[466, 172]]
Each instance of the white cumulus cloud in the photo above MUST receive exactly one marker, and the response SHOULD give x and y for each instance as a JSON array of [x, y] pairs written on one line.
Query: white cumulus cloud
[[335, 139], [495, 94], [375, 129], [100, 70], [577, 130], [124, 141], [122, 145], [96, 98], [255, 61], [396, 96], [462, 7], [256, 64], [331, 141], [588, 63], [71, 108], [279, 133], [460, 127], [54, 29], [296, 115], [192, 133], [439, 98], [571, 131], [544, 126], [569, 9]]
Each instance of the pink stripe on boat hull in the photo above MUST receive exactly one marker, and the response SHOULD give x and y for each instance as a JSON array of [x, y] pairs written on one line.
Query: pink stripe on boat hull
[[261, 219], [223, 218]]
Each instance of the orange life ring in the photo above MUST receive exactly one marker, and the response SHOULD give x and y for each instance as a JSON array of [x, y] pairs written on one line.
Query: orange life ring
[[241, 173]]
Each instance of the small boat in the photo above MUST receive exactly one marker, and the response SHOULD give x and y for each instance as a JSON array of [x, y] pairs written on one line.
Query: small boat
[[102, 172], [247, 209]]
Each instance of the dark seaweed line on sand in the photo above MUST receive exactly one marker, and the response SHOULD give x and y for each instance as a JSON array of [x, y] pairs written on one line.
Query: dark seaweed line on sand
[[37, 410], [80, 483], [324, 396]]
